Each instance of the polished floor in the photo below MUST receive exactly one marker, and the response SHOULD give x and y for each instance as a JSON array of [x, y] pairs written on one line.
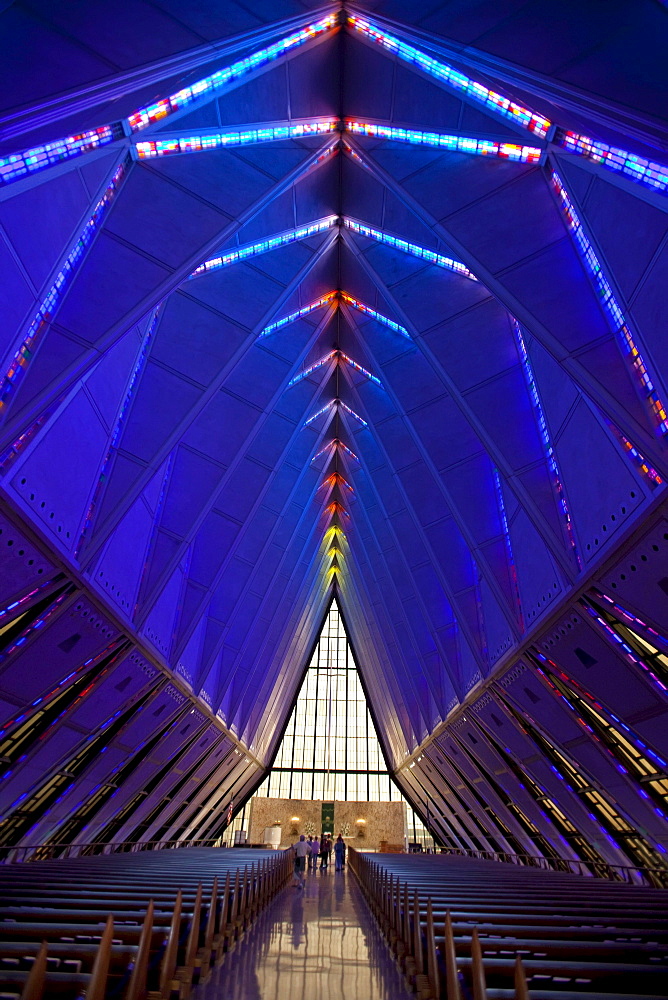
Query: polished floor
[[319, 942]]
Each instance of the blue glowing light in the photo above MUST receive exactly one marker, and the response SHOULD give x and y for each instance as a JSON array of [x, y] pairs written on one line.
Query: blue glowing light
[[492, 101], [455, 143], [547, 442], [508, 544], [324, 409], [617, 639], [50, 303], [358, 368], [26, 597], [410, 248], [312, 368], [615, 315], [383, 320], [38, 623], [336, 444], [205, 87], [150, 148], [636, 168], [264, 246], [638, 459], [352, 413], [304, 311], [120, 422], [18, 165]]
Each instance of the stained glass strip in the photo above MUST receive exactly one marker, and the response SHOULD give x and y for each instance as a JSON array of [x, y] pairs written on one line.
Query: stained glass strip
[[52, 300], [455, 143], [358, 368], [237, 254], [478, 92], [638, 459], [320, 412], [547, 440], [636, 168], [611, 306], [298, 313], [383, 320], [312, 368], [209, 84], [30, 161], [151, 148], [410, 248]]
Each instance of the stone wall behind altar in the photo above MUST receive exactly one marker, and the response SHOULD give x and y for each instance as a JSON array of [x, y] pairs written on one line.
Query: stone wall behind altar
[[382, 821]]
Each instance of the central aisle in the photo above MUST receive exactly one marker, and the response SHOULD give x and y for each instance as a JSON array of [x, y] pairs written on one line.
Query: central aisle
[[310, 944]]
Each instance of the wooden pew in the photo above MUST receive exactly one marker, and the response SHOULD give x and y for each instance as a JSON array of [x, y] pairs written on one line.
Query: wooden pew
[[149, 924], [466, 922]]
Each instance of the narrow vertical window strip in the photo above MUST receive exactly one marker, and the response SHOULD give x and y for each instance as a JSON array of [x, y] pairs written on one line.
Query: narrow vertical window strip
[[207, 86], [12, 452], [52, 300], [547, 441], [478, 92], [611, 306], [118, 429], [512, 569]]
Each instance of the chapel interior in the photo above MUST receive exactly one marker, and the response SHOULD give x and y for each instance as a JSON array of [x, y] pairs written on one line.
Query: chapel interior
[[333, 453]]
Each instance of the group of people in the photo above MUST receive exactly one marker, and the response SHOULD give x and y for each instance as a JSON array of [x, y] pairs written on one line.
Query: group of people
[[308, 851]]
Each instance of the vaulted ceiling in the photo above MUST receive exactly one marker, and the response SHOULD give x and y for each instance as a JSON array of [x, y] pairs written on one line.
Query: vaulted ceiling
[[424, 364]]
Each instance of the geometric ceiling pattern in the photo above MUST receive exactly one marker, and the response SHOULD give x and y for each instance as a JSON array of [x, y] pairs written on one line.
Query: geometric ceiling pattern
[[363, 303]]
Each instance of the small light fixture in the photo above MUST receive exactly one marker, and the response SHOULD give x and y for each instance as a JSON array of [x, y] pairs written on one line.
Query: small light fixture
[[361, 821], [295, 819]]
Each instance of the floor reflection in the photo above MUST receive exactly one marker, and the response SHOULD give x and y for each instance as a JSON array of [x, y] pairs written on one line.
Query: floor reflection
[[317, 942]]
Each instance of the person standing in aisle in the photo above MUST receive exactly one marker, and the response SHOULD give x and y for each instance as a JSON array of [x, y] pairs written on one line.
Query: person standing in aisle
[[339, 853], [315, 852], [325, 849], [301, 853]]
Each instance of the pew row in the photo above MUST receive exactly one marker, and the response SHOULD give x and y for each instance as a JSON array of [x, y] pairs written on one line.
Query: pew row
[[462, 928], [144, 926]]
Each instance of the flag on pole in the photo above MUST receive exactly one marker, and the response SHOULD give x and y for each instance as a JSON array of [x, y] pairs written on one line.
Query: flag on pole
[[229, 812]]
